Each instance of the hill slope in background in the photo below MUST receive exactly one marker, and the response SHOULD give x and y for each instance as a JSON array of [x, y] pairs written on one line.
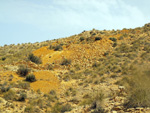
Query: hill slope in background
[[92, 72]]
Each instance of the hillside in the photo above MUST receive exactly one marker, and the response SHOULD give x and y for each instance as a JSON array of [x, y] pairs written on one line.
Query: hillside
[[92, 72]]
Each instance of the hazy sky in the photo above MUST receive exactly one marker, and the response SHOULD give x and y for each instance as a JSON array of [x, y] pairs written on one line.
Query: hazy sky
[[24, 21]]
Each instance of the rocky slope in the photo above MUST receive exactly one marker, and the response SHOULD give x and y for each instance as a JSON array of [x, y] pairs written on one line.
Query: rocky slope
[[92, 72]]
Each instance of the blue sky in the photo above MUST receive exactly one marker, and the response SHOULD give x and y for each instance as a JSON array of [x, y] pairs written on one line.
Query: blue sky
[[23, 21]]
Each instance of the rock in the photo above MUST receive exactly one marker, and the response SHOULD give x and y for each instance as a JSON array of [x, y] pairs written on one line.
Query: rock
[[140, 108], [148, 108], [117, 103], [130, 109], [121, 88], [2, 101], [114, 111], [117, 108]]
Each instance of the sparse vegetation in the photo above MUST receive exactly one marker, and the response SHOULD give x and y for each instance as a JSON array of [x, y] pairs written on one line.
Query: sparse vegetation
[[70, 80]]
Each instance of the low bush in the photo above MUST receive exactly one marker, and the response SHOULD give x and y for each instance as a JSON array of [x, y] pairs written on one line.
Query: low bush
[[22, 70], [10, 95], [22, 97], [52, 92], [29, 109], [58, 108], [4, 88], [56, 47], [81, 39], [97, 38], [66, 62], [139, 88], [23, 85], [3, 58], [34, 59], [96, 100], [66, 107], [30, 78], [50, 67], [114, 44], [95, 64], [113, 39]]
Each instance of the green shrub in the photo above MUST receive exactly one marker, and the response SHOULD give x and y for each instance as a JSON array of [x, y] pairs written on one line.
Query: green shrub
[[66, 62], [106, 53], [30, 78], [52, 92], [81, 39], [5, 87], [58, 48], [23, 85], [114, 44], [113, 39], [50, 67], [58, 108], [99, 110], [34, 59], [97, 38], [50, 47], [95, 64], [95, 99], [29, 109], [10, 95], [139, 88], [22, 70], [93, 34], [121, 38], [3, 58], [22, 97], [66, 107], [124, 48]]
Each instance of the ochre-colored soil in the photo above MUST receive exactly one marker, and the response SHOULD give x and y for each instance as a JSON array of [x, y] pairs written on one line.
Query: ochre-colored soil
[[5, 75], [46, 81], [51, 56]]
